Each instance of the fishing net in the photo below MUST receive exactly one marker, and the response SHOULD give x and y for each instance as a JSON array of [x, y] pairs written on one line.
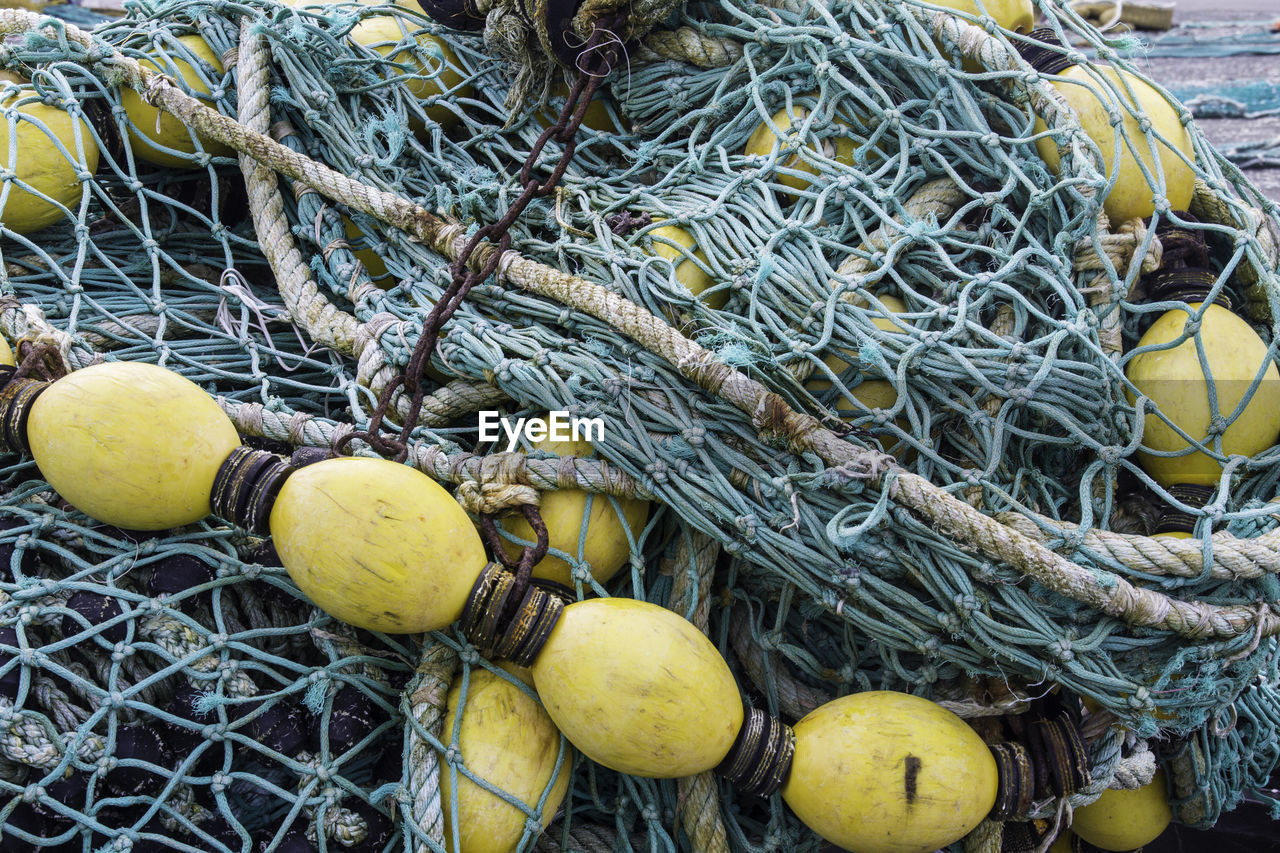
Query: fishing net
[[176, 691]]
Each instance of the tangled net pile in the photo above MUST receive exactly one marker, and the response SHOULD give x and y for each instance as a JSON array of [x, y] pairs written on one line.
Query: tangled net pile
[[225, 712]]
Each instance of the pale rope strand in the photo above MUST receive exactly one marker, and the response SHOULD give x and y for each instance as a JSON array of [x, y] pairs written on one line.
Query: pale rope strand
[[1233, 558], [697, 797], [325, 324], [303, 430], [424, 701], [769, 412]]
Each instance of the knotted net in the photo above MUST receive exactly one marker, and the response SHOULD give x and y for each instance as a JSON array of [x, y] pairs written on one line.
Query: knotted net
[[1004, 556]]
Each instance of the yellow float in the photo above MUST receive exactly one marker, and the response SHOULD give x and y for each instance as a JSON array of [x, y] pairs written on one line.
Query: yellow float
[[1175, 383], [675, 244], [1131, 196], [52, 176], [507, 739], [154, 134], [638, 689], [430, 66], [797, 173], [377, 544], [1125, 820], [605, 546], [1018, 16], [882, 772], [130, 444]]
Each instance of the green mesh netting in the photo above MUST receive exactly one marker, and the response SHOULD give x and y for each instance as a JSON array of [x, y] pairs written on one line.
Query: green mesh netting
[[176, 691]]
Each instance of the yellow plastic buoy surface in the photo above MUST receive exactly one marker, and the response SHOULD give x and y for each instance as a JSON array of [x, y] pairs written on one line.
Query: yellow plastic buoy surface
[[883, 772], [6, 353], [508, 740], [38, 130], [764, 142], [130, 444], [1125, 820], [377, 544], [150, 130], [683, 255], [872, 393], [597, 116], [1131, 196], [431, 62], [1174, 381], [1016, 15], [605, 547], [361, 247], [638, 689], [1064, 843]]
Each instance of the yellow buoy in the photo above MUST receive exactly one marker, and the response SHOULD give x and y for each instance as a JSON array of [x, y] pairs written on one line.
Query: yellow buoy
[[36, 160], [6, 353], [605, 547], [872, 393], [150, 130], [597, 116], [130, 444], [1016, 15], [1172, 378], [377, 544], [765, 142], [1131, 197], [685, 255], [1125, 820], [638, 689], [429, 63], [361, 247], [883, 772], [508, 740]]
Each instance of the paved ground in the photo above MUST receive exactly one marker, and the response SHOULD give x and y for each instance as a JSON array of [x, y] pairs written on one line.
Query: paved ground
[[1225, 70]]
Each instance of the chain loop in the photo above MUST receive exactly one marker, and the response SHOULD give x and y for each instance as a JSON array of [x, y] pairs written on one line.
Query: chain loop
[[595, 60]]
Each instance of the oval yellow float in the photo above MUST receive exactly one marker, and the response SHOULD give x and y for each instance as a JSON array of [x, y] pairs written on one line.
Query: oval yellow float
[[765, 142], [883, 772], [6, 353], [508, 740], [638, 689], [39, 129], [377, 544], [1016, 15], [1131, 197], [1173, 380], [605, 547], [1125, 820], [151, 131], [130, 444], [675, 244], [431, 66]]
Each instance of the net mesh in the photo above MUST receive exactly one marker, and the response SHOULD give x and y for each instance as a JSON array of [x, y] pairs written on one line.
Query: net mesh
[[176, 690]]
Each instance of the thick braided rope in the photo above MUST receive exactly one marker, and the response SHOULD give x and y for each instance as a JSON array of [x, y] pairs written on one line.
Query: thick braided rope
[[423, 703], [769, 412], [439, 463], [308, 307], [698, 800], [1233, 558], [688, 45]]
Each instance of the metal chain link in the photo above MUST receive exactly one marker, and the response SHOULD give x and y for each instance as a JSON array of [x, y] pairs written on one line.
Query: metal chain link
[[593, 64]]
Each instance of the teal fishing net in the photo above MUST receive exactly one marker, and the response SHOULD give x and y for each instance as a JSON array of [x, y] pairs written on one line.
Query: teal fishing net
[[177, 691]]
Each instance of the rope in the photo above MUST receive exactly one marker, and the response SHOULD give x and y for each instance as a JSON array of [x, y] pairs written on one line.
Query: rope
[[424, 705], [692, 568]]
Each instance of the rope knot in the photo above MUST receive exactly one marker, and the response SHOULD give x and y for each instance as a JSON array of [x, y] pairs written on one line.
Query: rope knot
[[493, 498]]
